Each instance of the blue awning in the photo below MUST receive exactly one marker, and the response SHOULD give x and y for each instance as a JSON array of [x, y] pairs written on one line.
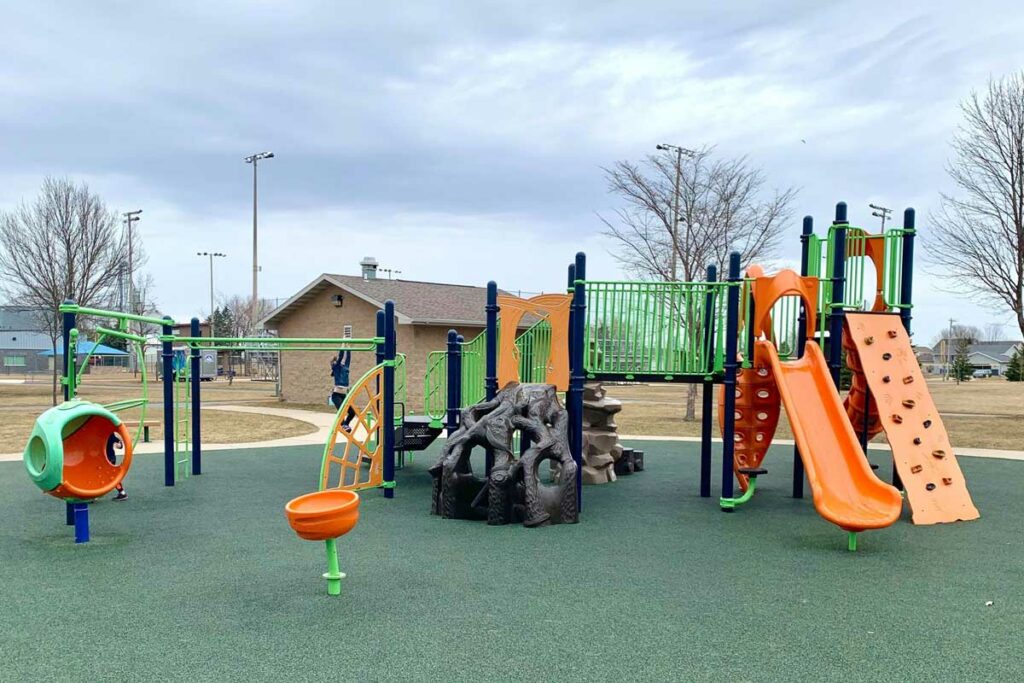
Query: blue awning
[[85, 347]]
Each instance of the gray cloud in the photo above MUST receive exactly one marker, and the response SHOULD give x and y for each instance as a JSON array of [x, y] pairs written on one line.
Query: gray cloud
[[427, 123]]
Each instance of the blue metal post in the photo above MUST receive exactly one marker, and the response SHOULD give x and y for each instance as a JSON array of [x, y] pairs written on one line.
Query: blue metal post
[[731, 364], [577, 375], [167, 356], [388, 398], [197, 431], [805, 266], [452, 376], [906, 293], [491, 355], [837, 313], [907, 268], [707, 398], [381, 332], [67, 324], [81, 516], [458, 379]]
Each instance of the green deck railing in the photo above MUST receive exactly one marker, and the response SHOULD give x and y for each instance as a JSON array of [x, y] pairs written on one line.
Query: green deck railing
[[654, 328], [534, 346]]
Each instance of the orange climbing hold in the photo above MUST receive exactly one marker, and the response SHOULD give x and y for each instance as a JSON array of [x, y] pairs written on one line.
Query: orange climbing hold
[[935, 486]]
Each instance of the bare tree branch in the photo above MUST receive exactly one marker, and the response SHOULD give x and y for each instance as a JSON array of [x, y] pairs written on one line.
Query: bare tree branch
[[64, 245], [977, 241]]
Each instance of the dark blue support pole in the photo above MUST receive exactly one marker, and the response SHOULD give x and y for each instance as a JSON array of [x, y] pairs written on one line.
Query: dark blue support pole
[[458, 380], [906, 293], [68, 323], [837, 314], [707, 397], [907, 268], [571, 288], [491, 355], [577, 375], [452, 377], [805, 266], [81, 516], [732, 315], [167, 357], [197, 429], [388, 428], [381, 333]]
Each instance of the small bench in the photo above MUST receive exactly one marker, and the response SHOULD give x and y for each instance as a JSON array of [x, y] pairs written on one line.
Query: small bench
[[132, 424]]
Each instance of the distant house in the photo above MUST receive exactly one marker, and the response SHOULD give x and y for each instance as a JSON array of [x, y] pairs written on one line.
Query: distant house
[[332, 305], [22, 338], [994, 356]]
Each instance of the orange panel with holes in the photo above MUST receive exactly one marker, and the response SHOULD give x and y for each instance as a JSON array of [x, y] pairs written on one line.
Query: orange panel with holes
[[935, 486], [354, 457], [757, 414]]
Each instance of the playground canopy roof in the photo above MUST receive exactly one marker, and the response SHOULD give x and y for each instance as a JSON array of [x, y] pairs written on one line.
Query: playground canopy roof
[[416, 303], [85, 346]]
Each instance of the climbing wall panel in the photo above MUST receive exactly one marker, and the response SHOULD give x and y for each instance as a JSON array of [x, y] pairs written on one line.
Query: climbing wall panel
[[936, 488]]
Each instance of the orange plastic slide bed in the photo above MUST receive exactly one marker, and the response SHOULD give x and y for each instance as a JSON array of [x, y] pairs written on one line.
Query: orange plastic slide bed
[[846, 491]]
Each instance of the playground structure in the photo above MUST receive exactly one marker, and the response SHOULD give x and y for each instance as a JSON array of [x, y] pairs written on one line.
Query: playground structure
[[68, 454], [768, 341]]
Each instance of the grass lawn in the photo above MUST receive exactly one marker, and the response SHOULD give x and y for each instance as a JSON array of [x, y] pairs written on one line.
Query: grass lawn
[[206, 581], [21, 404], [986, 413]]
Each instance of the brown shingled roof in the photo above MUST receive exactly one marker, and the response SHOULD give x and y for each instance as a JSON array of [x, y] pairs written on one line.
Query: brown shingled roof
[[422, 303]]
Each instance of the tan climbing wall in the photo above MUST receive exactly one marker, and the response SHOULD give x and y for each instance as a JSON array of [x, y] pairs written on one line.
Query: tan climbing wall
[[936, 488]]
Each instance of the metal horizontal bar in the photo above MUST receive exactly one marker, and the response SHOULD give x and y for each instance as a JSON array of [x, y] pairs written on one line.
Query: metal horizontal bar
[[121, 335], [116, 315]]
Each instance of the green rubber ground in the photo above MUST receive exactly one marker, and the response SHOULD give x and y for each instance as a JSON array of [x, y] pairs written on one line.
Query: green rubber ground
[[206, 581]]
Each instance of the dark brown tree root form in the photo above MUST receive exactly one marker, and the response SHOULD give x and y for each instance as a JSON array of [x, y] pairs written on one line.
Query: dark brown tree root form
[[514, 491]]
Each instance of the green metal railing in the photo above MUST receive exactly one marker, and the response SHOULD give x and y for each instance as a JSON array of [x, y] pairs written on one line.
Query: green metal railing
[[534, 346], [654, 328], [401, 391]]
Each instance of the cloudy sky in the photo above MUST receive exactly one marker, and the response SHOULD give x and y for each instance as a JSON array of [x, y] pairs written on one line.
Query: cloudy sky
[[463, 141]]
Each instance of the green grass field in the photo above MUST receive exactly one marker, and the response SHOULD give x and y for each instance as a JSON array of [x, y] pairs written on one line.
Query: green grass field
[[206, 581]]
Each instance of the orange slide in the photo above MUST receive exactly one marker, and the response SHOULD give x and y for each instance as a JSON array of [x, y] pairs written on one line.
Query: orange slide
[[846, 491]]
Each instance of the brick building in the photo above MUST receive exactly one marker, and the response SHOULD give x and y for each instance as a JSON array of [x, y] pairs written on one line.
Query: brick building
[[424, 312]]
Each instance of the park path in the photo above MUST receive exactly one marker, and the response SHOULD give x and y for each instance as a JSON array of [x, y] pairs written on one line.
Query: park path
[[324, 421]]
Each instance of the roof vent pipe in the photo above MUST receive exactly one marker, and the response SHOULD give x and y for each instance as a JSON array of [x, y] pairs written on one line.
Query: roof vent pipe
[[369, 268]]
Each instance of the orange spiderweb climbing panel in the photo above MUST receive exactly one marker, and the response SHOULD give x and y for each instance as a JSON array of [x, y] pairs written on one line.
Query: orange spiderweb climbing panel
[[354, 457], [935, 486], [757, 406], [554, 308]]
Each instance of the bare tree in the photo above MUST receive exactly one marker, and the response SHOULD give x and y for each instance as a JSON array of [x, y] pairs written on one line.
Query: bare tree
[[994, 332], [977, 240], [723, 206], [64, 245]]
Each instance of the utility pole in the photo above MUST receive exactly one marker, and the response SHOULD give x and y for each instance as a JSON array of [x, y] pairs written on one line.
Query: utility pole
[[129, 218], [881, 212], [211, 254], [674, 230], [254, 160], [949, 348]]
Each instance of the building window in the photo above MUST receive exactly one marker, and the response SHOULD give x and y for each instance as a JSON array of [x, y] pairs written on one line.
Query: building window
[[14, 361]]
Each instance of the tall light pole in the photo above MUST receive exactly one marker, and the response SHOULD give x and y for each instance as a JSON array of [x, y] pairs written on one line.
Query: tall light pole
[[680, 151], [129, 218], [254, 160], [212, 255], [881, 212]]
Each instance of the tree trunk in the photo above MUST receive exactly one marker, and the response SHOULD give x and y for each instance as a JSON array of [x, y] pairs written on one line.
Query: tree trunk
[[691, 403]]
